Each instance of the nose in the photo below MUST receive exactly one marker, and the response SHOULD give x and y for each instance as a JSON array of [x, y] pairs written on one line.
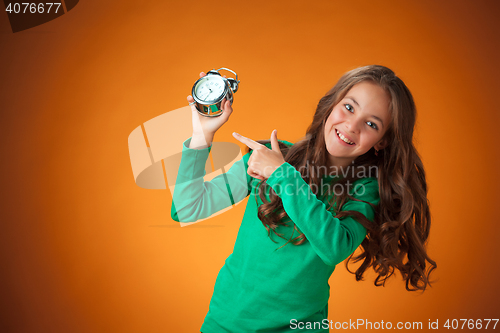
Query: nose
[[353, 125]]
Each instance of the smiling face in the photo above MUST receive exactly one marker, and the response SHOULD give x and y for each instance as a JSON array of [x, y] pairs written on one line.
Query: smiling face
[[357, 123]]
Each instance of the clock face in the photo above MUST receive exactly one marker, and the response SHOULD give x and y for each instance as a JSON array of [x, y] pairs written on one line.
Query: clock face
[[210, 88]]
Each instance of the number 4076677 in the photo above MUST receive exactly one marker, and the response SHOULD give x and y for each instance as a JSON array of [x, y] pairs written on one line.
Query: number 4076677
[[470, 323], [33, 8]]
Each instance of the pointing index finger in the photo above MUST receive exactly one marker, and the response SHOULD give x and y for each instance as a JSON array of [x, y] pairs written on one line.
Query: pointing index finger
[[249, 142]]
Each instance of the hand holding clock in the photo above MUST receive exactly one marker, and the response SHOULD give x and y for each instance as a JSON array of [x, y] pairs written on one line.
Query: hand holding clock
[[205, 127], [263, 160]]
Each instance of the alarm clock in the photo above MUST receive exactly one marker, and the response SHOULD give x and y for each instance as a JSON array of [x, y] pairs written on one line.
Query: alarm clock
[[209, 91]]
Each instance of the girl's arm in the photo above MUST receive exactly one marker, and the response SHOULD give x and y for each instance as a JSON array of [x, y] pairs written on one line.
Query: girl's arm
[[195, 199], [331, 238]]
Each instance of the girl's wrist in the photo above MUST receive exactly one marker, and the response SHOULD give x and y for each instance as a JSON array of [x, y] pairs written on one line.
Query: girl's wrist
[[201, 140]]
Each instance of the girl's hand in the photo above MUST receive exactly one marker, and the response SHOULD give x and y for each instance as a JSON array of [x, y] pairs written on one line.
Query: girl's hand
[[263, 160], [209, 125]]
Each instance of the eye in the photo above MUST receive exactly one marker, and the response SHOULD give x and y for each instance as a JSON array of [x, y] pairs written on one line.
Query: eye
[[372, 125], [349, 107]]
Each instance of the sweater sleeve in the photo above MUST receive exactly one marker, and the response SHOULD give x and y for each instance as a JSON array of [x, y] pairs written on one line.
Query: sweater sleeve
[[195, 199], [332, 239]]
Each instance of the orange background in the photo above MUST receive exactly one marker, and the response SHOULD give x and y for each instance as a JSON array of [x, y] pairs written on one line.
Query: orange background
[[84, 249]]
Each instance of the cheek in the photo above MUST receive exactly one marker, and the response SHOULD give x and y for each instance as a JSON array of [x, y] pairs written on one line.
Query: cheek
[[329, 123], [371, 139], [333, 119], [336, 116]]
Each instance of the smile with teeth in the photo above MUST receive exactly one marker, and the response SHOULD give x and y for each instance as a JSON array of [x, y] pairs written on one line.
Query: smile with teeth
[[343, 138]]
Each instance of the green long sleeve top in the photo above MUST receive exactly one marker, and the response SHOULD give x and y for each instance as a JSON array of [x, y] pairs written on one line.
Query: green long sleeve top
[[262, 288]]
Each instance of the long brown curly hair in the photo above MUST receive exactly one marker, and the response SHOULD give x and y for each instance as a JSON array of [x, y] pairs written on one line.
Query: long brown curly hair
[[396, 239]]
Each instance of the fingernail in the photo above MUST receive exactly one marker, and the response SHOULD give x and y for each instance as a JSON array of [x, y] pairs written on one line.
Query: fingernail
[[234, 133]]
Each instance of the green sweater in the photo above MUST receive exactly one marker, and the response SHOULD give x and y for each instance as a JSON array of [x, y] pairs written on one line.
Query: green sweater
[[260, 288]]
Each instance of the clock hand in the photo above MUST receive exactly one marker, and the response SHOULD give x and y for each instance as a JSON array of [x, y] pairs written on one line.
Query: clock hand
[[208, 93]]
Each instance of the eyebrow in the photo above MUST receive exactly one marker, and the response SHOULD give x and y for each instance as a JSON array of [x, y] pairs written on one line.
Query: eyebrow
[[355, 102]]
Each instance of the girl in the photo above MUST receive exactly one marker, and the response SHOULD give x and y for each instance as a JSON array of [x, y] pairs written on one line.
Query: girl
[[354, 179]]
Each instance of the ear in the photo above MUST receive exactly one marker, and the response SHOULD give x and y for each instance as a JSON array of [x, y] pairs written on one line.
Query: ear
[[381, 144]]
